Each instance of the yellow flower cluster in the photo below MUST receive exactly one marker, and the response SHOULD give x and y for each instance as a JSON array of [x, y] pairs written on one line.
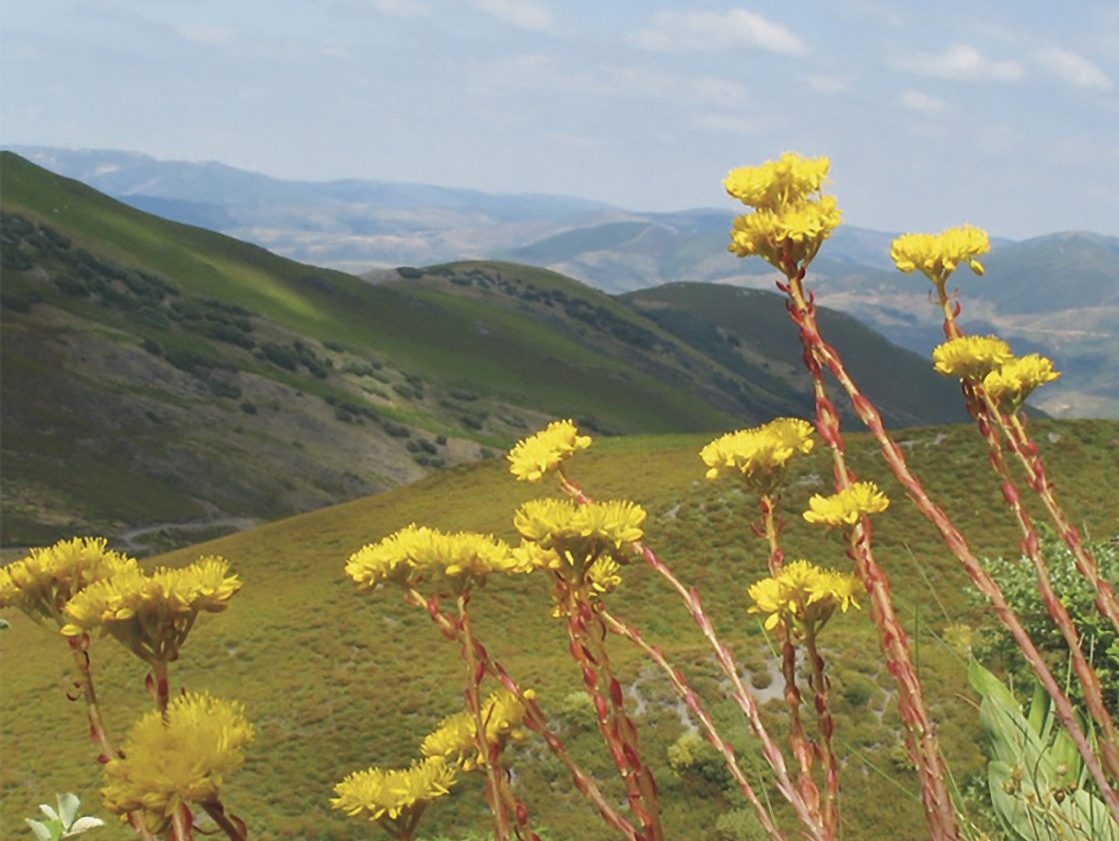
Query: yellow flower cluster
[[937, 255], [846, 506], [800, 229], [454, 740], [536, 456], [759, 454], [415, 551], [1015, 380], [42, 583], [176, 758], [971, 357], [582, 544], [790, 221], [394, 795], [803, 595], [582, 531], [152, 614], [776, 184]]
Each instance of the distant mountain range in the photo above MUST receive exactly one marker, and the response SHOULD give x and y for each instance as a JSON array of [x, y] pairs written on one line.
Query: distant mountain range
[[1057, 294]]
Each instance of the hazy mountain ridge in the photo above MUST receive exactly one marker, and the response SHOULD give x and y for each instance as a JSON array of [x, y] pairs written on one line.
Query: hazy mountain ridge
[[1057, 294]]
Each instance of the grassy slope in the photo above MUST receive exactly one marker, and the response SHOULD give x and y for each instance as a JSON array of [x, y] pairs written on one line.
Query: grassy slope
[[749, 328], [335, 680], [430, 338]]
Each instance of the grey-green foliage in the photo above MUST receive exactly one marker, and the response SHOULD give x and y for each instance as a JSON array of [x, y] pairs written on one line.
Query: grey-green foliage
[[1035, 774], [63, 822]]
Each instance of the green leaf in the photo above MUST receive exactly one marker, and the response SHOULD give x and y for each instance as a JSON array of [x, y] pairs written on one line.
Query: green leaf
[[68, 804], [42, 833]]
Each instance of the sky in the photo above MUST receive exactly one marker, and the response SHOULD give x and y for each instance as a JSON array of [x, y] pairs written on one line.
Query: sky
[[1002, 114]]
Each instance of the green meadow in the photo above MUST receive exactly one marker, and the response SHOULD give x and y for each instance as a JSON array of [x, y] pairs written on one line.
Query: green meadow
[[335, 680]]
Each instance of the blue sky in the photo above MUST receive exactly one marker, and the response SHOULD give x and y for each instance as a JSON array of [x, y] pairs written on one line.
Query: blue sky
[[1004, 114]]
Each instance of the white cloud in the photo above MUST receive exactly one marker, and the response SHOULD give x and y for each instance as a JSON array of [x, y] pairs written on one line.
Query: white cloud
[[675, 31], [733, 124], [523, 14], [923, 102], [1073, 68], [402, 8], [963, 62], [715, 90], [200, 33], [827, 84]]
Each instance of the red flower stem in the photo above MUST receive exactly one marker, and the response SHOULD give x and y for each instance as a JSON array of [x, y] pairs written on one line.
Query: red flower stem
[[798, 742], [488, 754], [180, 825], [921, 740], [534, 716], [98, 734], [741, 696], [1027, 453], [768, 505], [643, 773], [955, 541], [578, 612], [727, 665], [826, 725], [1013, 427], [230, 824], [681, 687]]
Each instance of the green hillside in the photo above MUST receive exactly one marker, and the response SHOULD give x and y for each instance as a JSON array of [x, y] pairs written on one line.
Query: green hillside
[[162, 383], [747, 330], [335, 680]]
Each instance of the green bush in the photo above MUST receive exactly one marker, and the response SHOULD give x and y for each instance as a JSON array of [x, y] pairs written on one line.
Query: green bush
[[1099, 640]]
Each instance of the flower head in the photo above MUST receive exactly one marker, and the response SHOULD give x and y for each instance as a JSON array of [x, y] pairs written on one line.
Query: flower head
[[394, 796], [536, 456], [583, 531], [152, 614], [42, 583], [776, 184], [759, 454], [790, 219], [846, 506], [802, 595], [418, 551], [454, 739], [937, 255], [970, 357], [176, 758], [1014, 381], [794, 232]]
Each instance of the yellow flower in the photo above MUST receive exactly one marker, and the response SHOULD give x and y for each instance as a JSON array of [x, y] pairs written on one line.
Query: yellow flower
[[536, 456], [152, 614], [394, 795], [971, 357], [846, 506], [46, 579], [937, 255], [584, 531], [454, 739], [178, 758], [759, 454], [803, 594], [777, 183], [1016, 379], [417, 551], [794, 231]]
